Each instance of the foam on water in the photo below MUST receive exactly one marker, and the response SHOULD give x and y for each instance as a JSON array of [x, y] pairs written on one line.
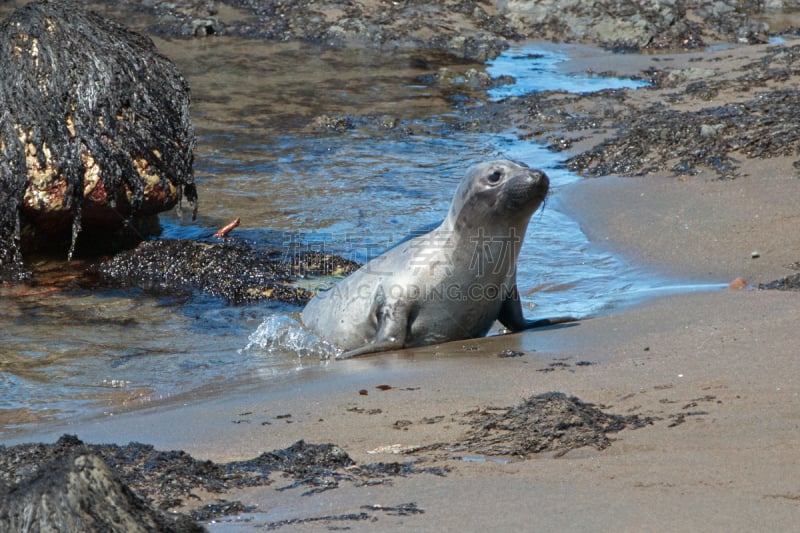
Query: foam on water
[[279, 334]]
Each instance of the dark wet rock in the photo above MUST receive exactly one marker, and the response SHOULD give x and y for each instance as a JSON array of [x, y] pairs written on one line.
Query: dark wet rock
[[230, 270], [448, 80], [95, 132], [185, 18], [630, 25], [549, 422], [342, 123], [336, 123], [66, 487], [468, 29], [508, 353]]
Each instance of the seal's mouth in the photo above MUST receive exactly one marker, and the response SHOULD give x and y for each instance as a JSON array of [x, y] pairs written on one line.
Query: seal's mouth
[[526, 191]]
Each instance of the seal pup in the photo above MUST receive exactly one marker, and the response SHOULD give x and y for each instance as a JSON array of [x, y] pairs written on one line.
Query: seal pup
[[449, 284]]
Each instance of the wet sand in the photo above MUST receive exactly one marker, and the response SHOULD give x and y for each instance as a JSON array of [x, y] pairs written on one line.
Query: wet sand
[[719, 369], [727, 358], [698, 227]]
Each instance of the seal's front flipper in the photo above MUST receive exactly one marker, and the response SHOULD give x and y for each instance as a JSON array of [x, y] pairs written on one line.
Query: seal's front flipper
[[392, 321], [511, 312], [544, 322], [511, 315]]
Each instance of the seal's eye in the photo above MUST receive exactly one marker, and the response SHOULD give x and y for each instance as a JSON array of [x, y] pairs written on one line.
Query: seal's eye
[[495, 176]]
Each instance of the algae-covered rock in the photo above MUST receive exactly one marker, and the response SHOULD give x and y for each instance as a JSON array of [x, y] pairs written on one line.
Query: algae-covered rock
[[95, 132]]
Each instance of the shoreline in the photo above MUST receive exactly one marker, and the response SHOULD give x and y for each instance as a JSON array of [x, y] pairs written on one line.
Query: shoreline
[[712, 230]]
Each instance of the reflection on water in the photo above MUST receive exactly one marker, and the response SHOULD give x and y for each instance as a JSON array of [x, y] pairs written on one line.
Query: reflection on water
[[74, 351], [538, 69]]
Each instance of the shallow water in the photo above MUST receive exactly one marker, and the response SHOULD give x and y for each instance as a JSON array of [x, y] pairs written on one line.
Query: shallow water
[[73, 352]]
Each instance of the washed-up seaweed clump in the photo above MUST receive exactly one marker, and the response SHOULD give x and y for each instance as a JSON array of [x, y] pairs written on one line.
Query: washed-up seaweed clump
[[787, 283], [168, 479], [300, 460], [230, 270], [145, 482], [549, 422], [95, 129]]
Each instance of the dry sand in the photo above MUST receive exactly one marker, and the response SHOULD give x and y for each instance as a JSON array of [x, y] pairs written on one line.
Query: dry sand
[[729, 358]]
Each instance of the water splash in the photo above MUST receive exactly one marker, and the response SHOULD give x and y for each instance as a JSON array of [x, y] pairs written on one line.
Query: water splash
[[279, 335]]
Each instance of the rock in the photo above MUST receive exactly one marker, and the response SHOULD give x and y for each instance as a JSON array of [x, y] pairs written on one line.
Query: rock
[[77, 491], [184, 18], [627, 25], [95, 132], [611, 23], [466, 29]]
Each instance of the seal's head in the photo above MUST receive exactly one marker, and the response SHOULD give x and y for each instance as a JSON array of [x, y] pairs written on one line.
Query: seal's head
[[498, 191]]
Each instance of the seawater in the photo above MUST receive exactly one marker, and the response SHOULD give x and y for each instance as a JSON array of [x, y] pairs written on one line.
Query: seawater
[[77, 352]]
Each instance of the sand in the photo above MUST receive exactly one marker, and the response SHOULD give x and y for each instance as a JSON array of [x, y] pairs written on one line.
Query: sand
[[729, 358], [718, 368]]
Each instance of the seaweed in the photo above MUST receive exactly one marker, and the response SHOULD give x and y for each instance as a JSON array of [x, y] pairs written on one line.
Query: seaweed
[[231, 270], [547, 422]]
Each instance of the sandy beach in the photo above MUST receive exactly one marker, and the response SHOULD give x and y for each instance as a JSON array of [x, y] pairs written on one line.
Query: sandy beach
[[717, 370], [730, 357]]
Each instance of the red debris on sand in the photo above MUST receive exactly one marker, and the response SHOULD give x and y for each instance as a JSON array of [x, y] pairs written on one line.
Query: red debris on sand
[[737, 284]]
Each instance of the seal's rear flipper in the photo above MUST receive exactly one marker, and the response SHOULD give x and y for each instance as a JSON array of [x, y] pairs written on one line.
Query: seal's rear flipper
[[392, 329], [373, 347]]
